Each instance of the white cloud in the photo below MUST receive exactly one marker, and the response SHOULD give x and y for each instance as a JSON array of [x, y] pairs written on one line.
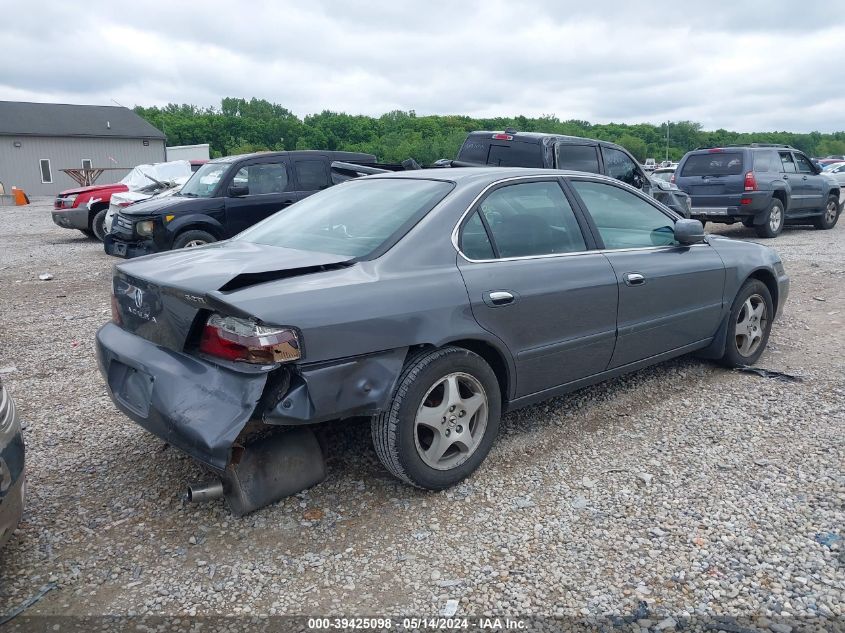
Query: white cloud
[[738, 65]]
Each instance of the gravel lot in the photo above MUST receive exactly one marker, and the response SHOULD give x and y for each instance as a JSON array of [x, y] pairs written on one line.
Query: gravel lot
[[682, 490]]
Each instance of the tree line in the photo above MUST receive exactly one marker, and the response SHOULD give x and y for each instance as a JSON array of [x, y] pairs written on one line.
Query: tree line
[[240, 126]]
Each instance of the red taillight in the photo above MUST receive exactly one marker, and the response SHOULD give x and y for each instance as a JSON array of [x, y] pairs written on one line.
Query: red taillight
[[715, 150], [750, 181], [243, 340], [503, 137], [745, 201]]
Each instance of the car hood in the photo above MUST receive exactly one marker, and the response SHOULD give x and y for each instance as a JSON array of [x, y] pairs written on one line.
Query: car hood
[[115, 186], [156, 206], [228, 266]]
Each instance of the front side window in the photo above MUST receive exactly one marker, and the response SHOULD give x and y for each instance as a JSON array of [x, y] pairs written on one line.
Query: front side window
[[787, 162], [619, 165], [624, 219], [577, 157], [262, 178], [356, 218], [312, 175], [804, 165], [46, 171], [204, 181], [532, 219]]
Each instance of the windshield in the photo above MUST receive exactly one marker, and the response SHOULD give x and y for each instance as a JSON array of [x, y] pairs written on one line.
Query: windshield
[[356, 218], [204, 181]]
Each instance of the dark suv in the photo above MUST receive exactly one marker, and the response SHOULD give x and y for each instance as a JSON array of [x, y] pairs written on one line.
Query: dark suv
[[557, 151], [224, 197], [763, 186]]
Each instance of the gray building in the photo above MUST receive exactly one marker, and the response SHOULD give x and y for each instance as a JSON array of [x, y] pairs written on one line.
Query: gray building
[[38, 140]]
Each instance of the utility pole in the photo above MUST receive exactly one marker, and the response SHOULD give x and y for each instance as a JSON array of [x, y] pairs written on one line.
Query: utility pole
[[667, 140]]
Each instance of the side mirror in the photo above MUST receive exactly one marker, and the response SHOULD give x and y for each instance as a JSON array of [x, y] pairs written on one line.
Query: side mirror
[[689, 232], [238, 191]]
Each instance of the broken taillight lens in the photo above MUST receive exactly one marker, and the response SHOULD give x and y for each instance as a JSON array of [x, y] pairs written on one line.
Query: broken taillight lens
[[238, 339]]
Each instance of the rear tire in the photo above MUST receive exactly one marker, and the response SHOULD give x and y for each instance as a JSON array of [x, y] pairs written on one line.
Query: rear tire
[[191, 239], [774, 220], [446, 399], [749, 324], [830, 214], [98, 227]]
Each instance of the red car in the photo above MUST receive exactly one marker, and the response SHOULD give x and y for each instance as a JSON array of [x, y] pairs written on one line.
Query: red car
[[84, 208]]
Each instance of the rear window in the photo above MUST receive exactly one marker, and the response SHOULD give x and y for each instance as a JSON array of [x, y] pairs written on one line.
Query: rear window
[[501, 153], [355, 219], [713, 164], [577, 157]]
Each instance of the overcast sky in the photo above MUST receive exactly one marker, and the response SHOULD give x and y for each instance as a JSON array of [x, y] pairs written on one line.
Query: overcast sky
[[749, 66]]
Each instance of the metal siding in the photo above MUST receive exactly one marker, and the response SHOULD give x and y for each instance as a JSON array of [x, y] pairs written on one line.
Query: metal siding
[[20, 167]]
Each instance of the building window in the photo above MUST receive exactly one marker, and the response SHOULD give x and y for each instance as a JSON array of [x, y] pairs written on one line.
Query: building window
[[46, 172], [87, 163]]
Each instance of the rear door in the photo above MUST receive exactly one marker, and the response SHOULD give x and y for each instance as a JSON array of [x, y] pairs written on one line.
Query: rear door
[[270, 184], [670, 296], [312, 175], [536, 281], [813, 187]]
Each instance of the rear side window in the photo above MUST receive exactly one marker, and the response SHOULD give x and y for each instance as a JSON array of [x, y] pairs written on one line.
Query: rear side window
[[311, 174], [475, 243], [532, 218], [713, 164], [263, 178], [474, 150], [577, 157], [766, 161]]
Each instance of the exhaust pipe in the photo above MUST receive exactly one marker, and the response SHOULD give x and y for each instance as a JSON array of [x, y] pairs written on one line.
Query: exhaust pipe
[[198, 493]]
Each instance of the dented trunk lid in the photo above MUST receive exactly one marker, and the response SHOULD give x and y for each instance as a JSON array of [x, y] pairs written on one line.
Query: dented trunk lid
[[159, 297]]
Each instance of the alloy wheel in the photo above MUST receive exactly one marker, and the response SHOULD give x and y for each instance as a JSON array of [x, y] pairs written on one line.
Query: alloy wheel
[[830, 211], [775, 219], [451, 421], [194, 243], [751, 323]]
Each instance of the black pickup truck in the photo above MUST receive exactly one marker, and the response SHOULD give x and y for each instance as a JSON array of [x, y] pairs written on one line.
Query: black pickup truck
[[552, 151], [224, 197]]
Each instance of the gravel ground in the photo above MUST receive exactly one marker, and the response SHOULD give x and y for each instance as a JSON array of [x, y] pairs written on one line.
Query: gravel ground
[[679, 491]]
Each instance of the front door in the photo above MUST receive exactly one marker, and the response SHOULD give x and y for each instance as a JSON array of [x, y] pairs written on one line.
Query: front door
[[534, 282], [269, 189], [670, 296], [813, 187]]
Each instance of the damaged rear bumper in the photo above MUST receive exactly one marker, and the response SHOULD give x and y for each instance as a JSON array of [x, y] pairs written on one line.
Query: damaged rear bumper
[[197, 407], [201, 407]]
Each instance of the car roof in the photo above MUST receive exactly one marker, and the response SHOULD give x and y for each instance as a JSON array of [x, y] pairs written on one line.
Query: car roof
[[539, 137]]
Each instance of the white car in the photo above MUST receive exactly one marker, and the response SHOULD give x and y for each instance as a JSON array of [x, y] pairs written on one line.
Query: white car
[[837, 170]]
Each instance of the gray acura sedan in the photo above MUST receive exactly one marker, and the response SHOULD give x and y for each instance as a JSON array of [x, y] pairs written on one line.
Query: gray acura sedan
[[432, 301]]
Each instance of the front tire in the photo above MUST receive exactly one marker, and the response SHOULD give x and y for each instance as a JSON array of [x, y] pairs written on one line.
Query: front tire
[[749, 325], [442, 421], [191, 239], [830, 214], [774, 220]]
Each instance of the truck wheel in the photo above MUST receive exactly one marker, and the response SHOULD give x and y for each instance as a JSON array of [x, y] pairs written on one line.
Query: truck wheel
[[98, 227], [774, 220], [442, 421], [749, 325], [828, 218], [190, 239]]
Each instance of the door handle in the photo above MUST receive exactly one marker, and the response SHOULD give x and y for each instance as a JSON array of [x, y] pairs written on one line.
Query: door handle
[[500, 297], [634, 279], [804, 178]]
